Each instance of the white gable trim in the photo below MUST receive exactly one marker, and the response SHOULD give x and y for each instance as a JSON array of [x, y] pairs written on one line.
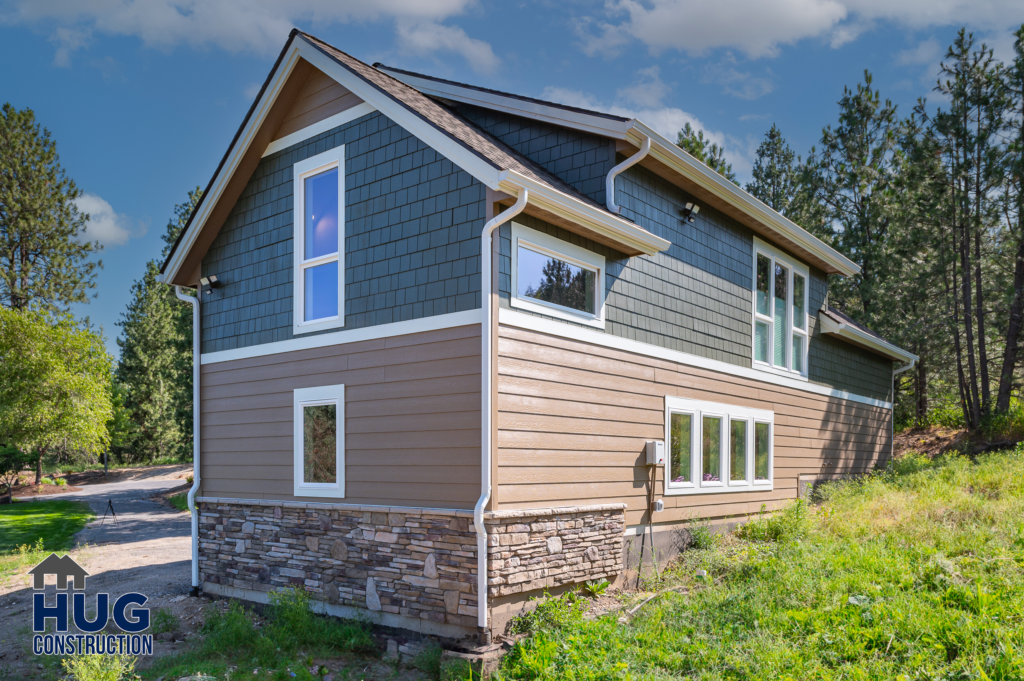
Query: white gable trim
[[338, 119]]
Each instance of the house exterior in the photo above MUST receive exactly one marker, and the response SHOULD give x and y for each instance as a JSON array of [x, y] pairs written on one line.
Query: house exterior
[[414, 432]]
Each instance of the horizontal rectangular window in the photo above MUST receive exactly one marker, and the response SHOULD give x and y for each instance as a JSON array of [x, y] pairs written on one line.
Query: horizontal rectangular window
[[556, 278], [717, 447], [319, 425]]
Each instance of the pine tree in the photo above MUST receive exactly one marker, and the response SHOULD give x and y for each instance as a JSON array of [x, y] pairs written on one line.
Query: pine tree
[[774, 172], [44, 263], [707, 152], [155, 370]]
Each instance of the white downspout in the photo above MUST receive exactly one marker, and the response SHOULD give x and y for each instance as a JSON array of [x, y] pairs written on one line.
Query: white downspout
[[485, 399], [892, 421], [194, 302], [609, 181]]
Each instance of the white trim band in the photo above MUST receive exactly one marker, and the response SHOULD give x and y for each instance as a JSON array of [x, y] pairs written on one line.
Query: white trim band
[[434, 323], [539, 324], [338, 119]]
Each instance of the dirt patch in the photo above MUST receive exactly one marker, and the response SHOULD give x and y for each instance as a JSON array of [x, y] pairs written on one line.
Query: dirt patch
[[23, 491], [121, 474], [931, 441], [165, 497]]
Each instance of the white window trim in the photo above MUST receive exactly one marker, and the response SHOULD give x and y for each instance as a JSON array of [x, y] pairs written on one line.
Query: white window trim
[[727, 413], [563, 250], [334, 158], [307, 397], [793, 266]]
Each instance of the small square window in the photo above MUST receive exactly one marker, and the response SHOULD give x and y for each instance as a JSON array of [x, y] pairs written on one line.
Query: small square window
[[319, 425], [556, 278]]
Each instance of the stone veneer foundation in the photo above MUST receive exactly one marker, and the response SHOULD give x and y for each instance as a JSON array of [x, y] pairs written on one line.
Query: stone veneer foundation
[[409, 567]]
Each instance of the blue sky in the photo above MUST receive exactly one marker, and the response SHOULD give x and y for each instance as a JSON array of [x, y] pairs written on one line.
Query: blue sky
[[143, 97]]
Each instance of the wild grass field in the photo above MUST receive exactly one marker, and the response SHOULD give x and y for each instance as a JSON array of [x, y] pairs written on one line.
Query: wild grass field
[[913, 573]]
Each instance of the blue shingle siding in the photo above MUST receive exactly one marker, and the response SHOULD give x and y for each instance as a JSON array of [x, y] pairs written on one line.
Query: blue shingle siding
[[578, 158], [412, 246]]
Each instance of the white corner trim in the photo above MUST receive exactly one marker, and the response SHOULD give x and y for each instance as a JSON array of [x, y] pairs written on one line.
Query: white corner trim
[[554, 328], [338, 119], [441, 321], [311, 397], [545, 244]]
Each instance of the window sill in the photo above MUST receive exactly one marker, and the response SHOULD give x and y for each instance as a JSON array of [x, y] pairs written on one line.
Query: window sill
[[333, 492], [768, 369], [558, 313], [724, 489], [337, 323]]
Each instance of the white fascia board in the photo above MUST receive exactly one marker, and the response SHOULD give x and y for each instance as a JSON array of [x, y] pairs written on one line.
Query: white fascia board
[[397, 112], [554, 328], [858, 337], [434, 323], [338, 119], [231, 165], [578, 120], [677, 159], [584, 214]]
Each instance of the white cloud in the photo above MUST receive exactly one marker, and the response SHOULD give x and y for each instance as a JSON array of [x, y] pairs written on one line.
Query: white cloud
[[666, 120], [926, 52], [758, 28], [430, 37], [253, 26], [105, 225], [737, 83], [251, 90]]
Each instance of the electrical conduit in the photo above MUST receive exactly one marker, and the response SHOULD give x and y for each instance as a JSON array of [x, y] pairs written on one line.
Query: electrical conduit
[[194, 302], [486, 255]]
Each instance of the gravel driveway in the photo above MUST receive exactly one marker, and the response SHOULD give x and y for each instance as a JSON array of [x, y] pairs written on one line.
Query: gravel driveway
[[146, 550]]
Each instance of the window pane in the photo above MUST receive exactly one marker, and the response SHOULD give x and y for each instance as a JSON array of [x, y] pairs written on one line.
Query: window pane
[[764, 268], [738, 450], [321, 205], [551, 280], [682, 443], [798, 353], [781, 285], [799, 318], [761, 342], [319, 443], [761, 435], [321, 291], [712, 449]]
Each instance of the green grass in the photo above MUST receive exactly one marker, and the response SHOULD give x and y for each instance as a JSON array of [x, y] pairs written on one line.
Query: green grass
[[31, 530], [282, 646], [914, 573], [179, 501]]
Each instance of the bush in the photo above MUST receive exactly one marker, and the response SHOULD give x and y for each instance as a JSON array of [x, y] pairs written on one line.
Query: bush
[[1008, 425], [701, 534], [163, 621], [552, 612], [786, 525], [949, 415], [99, 667]]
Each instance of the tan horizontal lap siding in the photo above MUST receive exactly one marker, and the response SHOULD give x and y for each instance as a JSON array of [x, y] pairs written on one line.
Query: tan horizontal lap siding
[[573, 419], [321, 97], [412, 420]]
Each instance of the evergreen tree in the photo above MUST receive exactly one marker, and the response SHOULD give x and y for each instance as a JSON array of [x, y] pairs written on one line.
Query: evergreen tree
[[44, 264], [774, 173], [707, 152], [155, 370]]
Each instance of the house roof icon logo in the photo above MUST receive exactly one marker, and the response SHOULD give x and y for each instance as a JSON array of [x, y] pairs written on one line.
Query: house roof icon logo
[[61, 566]]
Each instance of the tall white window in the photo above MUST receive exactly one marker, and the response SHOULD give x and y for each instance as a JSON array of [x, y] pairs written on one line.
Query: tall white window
[[319, 228], [716, 447], [780, 312], [319, 428], [556, 278]]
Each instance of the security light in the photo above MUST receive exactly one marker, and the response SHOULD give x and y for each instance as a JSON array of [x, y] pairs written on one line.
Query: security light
[[209, 283], [690, 211]]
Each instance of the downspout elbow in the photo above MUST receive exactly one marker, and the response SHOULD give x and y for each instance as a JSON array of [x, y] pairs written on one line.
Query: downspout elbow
[[486, 366], [194, 302], [609, 182]]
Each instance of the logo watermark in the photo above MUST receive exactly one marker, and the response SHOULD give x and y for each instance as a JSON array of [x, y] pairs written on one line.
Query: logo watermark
[[128, 614]]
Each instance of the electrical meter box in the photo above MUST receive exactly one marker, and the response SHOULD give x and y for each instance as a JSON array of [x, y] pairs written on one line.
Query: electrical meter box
[[655, 453]]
